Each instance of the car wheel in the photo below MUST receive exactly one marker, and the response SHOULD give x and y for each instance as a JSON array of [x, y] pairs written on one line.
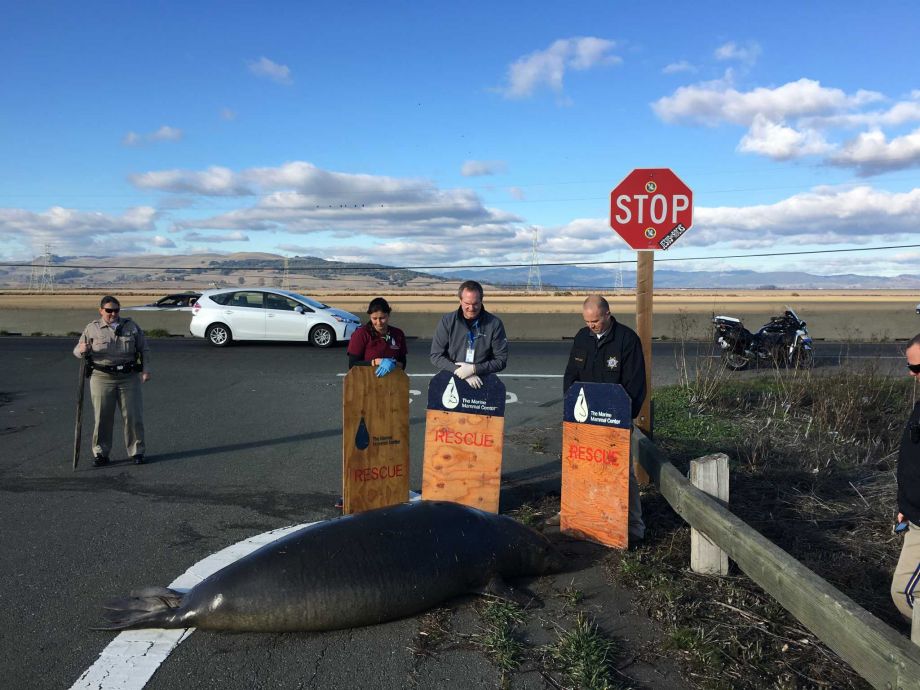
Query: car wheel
[[322, 336], [218, 335]]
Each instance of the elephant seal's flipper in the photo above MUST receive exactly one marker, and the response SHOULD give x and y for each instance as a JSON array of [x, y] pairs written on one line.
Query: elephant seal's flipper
[[498, 588], [147, 599], [154, 607]]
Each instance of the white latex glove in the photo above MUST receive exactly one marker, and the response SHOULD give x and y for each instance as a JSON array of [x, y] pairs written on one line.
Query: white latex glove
[[474, 381], [464, 371]]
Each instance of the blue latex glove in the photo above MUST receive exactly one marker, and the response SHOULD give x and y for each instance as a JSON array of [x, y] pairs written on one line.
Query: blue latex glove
[[385, 367]]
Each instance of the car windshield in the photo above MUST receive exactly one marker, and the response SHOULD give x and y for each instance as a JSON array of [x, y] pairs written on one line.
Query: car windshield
[[311, 302]]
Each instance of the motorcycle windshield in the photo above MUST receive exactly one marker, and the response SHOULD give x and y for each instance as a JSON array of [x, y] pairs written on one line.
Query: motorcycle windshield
[[791, 312]]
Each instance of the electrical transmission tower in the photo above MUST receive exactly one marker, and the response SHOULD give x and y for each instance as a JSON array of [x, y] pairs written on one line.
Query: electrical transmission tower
[[618, 280], [286, 275], [534, 279], [45, 281]]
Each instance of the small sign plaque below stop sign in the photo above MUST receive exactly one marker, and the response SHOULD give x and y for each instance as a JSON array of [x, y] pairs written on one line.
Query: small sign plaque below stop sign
[[651, 208]]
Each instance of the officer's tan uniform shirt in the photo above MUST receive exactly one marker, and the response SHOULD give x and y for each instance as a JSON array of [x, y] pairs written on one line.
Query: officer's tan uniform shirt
[[111, 350]]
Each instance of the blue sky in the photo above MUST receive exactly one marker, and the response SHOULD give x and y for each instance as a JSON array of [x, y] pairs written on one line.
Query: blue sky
[[433, 134]]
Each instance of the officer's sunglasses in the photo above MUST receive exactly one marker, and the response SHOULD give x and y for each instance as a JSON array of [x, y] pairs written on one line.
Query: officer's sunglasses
[[915, 368], [115, 311]]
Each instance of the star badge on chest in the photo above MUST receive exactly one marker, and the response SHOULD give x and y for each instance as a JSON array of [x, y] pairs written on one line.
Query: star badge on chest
[[612, 363]]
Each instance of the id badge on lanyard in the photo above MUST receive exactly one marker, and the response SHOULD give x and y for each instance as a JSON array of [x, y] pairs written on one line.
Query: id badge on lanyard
[[471, 350]]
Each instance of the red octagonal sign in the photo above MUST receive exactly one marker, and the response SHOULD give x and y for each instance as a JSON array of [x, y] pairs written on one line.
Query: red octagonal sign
[[651, 208]]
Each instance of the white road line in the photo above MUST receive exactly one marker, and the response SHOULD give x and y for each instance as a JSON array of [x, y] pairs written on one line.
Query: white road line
[[131, 659]]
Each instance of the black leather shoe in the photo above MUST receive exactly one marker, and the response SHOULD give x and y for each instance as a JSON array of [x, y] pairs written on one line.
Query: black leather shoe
[[100, 461], [138, 459]]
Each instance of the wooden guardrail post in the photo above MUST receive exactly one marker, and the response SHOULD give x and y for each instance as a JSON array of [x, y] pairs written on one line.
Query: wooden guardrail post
[[709, 474]]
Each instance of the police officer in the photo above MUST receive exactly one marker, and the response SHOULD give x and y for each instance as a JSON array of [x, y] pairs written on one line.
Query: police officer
[[605, 351], [470, 342], [904, 584], [118, 356]]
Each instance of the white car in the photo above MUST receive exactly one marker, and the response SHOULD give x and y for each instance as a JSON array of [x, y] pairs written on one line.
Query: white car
[[229, 314]]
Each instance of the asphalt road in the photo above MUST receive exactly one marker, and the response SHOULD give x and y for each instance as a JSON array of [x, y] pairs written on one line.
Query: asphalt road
[[240, 441]]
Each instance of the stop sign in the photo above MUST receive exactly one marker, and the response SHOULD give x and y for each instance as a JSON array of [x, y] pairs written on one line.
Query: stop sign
[[651, 208]]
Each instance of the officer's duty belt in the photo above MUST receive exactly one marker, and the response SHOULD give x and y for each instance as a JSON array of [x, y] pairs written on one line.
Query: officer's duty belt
[[116, 368]]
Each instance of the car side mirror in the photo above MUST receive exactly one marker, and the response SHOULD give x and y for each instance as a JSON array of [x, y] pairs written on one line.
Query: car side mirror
[[299, 310]]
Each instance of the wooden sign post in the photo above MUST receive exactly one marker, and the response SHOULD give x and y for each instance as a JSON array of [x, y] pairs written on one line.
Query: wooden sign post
[[375, 439], [595, 463], [650, 209], [464, 437]]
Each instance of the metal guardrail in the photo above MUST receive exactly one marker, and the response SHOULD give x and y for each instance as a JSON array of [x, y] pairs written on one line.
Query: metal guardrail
[[876, 652]]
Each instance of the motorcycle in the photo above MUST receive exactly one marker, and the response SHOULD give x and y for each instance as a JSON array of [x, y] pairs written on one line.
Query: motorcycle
[[782, 341]]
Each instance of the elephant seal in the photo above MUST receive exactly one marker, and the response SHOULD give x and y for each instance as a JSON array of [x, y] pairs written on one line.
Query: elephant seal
[[351, 571]]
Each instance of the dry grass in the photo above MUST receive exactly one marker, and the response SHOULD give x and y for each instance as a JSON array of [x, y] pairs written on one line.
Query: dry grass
[[813, 457]]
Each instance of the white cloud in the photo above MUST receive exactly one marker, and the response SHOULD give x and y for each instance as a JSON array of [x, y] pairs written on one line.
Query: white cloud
[[714, 103], [215, 181], [479, 168], [164, 133], [801, 119], [263, 67], [871, 153], [825, 215], [548, 67], [747, 53], [300, 198], [678, 68], [77, 232], [781, 142], [162, 242]]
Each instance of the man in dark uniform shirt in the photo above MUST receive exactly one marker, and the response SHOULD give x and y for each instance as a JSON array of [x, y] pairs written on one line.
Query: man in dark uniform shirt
[[605, 351], [904, 584]]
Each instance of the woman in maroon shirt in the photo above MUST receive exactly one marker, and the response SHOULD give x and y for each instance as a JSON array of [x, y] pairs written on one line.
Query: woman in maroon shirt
[[377, 343]]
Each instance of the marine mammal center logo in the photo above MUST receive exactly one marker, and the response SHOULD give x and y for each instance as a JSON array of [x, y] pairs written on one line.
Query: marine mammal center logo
[[612, 363], [581, 407], [450, 399]]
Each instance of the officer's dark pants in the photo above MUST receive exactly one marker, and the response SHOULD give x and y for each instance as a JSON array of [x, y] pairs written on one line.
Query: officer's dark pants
[[123, 390]]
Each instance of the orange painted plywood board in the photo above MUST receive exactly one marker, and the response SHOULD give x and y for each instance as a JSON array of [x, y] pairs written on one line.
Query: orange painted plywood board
[[463, 459], [595, 483], [375, 439]]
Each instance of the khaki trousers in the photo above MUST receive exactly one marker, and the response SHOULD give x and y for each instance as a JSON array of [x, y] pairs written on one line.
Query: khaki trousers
[[904, 584], [123, 390], [636, 525]]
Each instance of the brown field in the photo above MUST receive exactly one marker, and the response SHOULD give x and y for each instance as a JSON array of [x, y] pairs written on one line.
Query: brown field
[[666, 301]]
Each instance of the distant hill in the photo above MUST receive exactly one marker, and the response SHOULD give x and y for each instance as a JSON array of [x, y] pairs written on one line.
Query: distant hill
[[574, 277], [310, 273], [202, 271]]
